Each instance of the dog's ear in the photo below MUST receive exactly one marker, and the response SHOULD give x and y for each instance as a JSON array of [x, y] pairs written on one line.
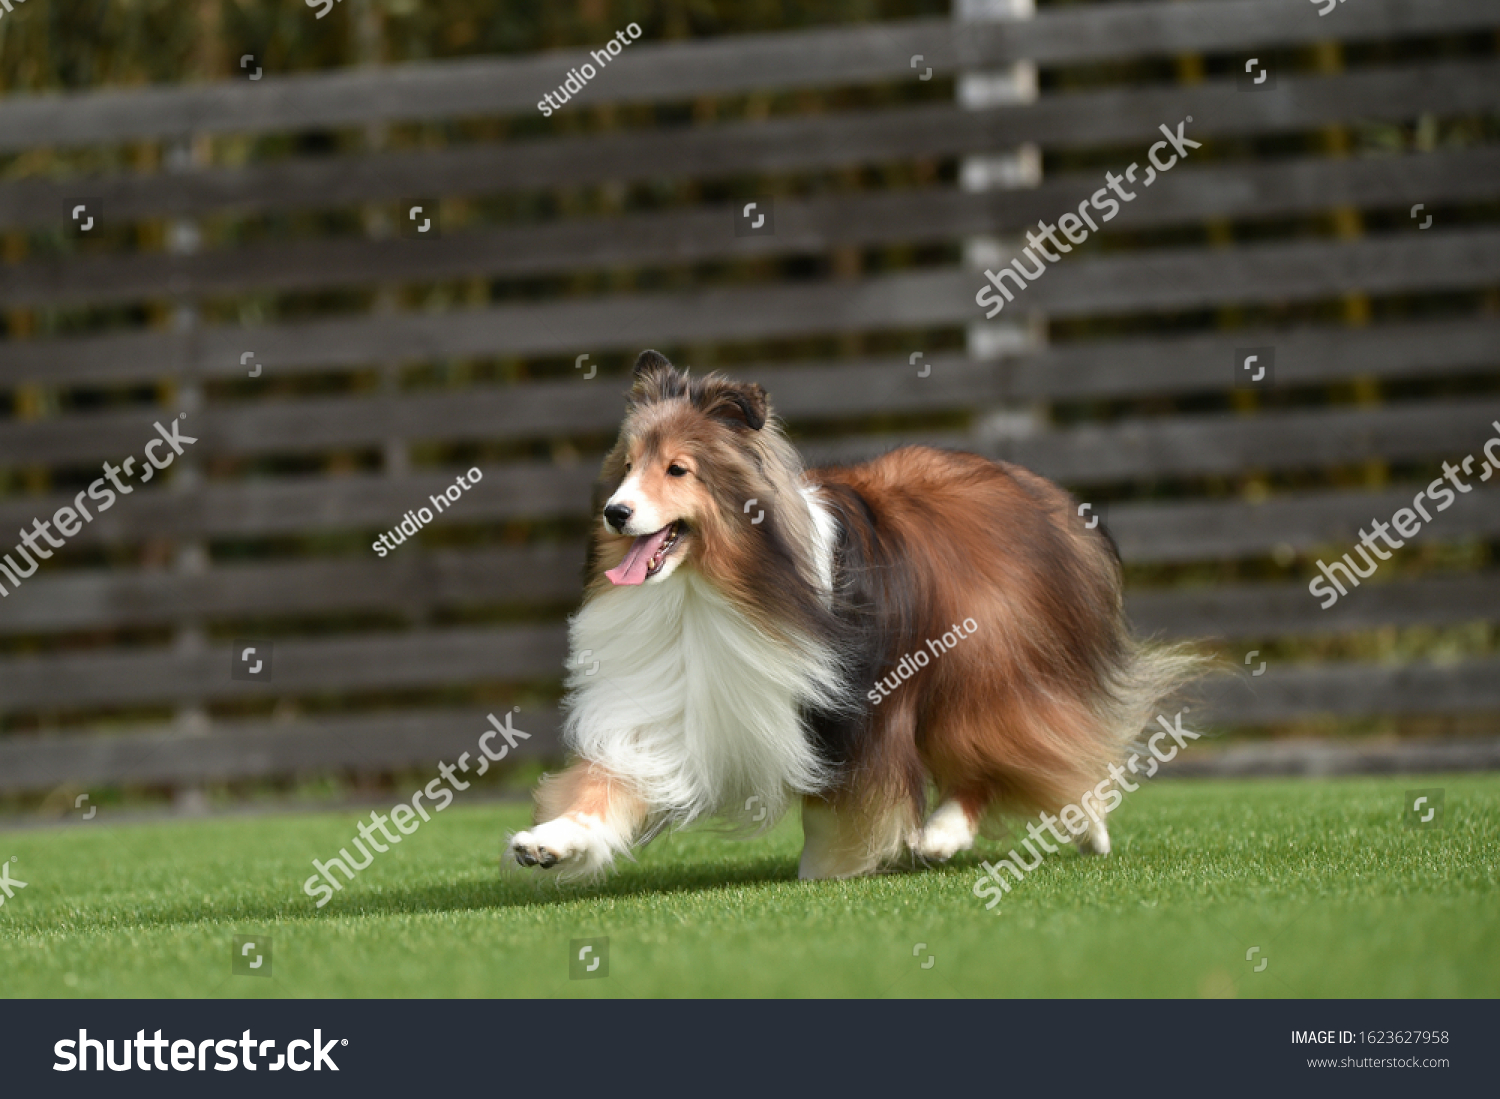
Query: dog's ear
[[739, 404], [655, 379]]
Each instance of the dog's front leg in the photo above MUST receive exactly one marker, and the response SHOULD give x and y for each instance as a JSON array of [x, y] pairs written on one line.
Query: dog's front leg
[[585, 817]]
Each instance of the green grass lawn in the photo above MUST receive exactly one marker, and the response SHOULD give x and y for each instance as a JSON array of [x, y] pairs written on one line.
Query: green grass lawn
[[1322, 877]]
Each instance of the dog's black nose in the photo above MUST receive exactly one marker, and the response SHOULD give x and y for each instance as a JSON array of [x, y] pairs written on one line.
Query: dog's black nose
[[617, 515]]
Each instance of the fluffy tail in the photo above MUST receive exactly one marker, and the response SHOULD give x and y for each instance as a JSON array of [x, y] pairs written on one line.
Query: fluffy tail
[[1152, 681]]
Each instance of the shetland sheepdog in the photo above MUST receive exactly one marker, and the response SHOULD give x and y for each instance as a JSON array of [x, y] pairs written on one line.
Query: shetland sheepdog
[[749, 638]]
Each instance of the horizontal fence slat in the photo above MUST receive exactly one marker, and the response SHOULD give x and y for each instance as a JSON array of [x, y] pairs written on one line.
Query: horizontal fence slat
[[1322, 758], [300, 505], [1184, 445], [1176, 278], [1286, 609], [259, 749], [1065, 121], [1202, 530], [426, 658], [1349, 690], [410, 582], [483, 413], [1304, 356], [698, 235], [1187, 278], [648, 71]]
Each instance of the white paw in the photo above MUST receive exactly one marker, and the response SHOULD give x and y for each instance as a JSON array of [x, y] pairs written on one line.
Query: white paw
[[947, 832], [560, 842]]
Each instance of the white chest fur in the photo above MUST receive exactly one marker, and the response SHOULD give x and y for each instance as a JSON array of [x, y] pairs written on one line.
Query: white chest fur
[[691, 703]]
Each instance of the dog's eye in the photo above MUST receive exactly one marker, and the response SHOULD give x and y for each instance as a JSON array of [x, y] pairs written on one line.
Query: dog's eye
[[675, 470], [627, 467]]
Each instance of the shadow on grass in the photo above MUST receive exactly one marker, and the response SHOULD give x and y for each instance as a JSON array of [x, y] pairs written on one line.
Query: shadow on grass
[[505, 890], [529, 889]]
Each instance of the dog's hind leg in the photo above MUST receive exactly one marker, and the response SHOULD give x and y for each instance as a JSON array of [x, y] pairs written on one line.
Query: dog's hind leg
[[585, 817], [848, 842]]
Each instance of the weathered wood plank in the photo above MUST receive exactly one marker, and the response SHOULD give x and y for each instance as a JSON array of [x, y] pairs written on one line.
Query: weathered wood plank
[[1188, 278], [1259, 611], [423, 658], [1348, 690], [1141, 281], [1214, 444], [1225, 530], [261, 749], [647, 71], [1304, 356], [696, 235], [540, 410], [1322, 758], [1073, 120], [410, 582], [1196, 445], [297, 505]]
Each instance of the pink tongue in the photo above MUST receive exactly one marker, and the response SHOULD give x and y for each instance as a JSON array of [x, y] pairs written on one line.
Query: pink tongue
[[632, 570]]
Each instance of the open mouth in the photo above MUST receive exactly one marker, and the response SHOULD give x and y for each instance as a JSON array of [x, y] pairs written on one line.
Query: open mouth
[[646, 556], [674, 531]]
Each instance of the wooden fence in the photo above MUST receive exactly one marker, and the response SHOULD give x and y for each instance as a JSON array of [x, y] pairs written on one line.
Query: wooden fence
[[116, 629]]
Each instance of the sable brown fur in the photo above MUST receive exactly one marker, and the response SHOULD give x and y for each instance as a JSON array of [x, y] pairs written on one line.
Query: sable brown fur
[[1019, 713]]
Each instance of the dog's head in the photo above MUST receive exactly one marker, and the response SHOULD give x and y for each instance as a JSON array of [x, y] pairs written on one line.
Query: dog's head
[[691, 457]]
